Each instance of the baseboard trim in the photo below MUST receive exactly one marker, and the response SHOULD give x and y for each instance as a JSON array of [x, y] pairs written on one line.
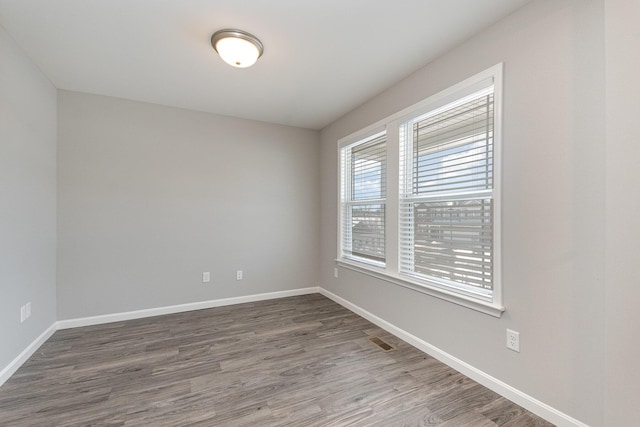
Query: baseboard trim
[[537, 407], [15, 364], [159, 311]]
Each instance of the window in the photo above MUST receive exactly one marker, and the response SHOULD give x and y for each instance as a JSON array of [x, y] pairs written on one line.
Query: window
[[363, 192], [446, 200], [420, 196]]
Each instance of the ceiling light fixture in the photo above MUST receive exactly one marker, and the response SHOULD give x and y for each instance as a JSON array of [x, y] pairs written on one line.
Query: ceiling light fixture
[[236, 47]]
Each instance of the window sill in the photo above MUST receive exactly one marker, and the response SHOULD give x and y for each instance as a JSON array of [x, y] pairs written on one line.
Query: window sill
[[491, 309]]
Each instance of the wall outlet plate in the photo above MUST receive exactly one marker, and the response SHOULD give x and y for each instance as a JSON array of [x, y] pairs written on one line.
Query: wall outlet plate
[[27, 309], [23, 314], [206, 277], [513, 340], [239, 275], [335, 272]]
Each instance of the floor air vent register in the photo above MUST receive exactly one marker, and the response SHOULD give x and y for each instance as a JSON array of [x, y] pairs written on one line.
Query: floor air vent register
[[383, 345]]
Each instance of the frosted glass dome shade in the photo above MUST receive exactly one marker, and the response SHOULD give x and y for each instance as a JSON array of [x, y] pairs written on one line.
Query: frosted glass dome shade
[[237, 48]]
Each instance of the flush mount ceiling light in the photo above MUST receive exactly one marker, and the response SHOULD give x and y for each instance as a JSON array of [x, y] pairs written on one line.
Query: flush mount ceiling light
[[236, 47]]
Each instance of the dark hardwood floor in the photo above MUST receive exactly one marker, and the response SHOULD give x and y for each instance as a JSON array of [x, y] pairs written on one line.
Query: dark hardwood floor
[[300, 361]]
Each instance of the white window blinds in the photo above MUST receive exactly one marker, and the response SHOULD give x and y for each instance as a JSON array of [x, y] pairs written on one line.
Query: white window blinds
[[363, 199], [446, 196]]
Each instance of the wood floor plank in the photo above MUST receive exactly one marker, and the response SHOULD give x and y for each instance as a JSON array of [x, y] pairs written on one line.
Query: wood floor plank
[[299, 361]]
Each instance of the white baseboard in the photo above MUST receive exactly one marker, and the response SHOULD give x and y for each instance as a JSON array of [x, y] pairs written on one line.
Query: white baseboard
[[138, 314], [537, 407], [15, 364]]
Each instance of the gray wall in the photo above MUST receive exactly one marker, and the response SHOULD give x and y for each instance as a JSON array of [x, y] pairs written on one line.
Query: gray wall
[[27, 200], [623, 209], [151, 196], [553, 215]]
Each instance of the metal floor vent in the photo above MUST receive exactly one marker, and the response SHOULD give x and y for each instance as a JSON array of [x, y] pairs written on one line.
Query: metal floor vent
[[383, 345]]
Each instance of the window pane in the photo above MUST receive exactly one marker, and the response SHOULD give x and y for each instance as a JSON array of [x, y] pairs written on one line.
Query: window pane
[[369, 170], [367, 232], [453, 240], [453, 150], [363, 192]]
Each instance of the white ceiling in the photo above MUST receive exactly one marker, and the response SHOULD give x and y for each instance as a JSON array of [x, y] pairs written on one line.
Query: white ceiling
[[322, 58]]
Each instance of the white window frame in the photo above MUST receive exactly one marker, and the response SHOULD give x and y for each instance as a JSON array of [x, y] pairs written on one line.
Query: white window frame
[[390, 271]]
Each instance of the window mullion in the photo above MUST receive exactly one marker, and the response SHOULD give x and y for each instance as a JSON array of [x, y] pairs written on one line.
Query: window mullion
[[393, 184], [347, 186]]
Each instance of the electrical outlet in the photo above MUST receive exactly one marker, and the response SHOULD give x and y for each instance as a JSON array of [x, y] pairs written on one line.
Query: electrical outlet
[[335, 272], [23, 314], [27, 309], [239, 275], [206, 277], [513, 340]]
